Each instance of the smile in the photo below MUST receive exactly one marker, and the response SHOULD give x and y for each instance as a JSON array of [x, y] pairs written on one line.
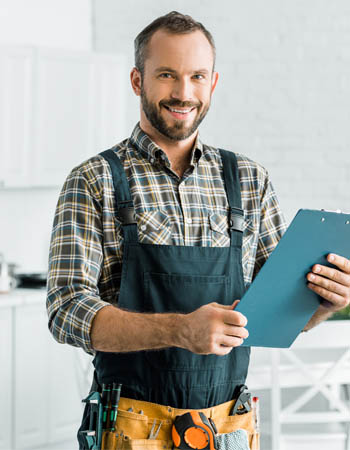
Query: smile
[[179, 113]]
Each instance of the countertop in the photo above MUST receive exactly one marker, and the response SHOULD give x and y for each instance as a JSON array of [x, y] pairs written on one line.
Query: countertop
[[23, 296]]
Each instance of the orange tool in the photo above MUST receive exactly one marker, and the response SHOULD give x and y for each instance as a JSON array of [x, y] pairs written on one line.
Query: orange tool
[[193, 430]]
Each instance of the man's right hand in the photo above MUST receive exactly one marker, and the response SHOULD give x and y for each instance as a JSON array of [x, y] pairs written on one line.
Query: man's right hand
[[214, 329]]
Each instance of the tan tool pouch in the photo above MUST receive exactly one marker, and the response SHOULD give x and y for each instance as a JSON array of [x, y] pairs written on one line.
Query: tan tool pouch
[[133, 429]]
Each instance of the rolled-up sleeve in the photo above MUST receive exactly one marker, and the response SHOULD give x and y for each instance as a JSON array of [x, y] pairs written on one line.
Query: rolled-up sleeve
[[75, 262]]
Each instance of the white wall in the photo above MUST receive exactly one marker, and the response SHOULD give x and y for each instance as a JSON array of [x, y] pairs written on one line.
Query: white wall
[[27, 215], [283, 96], [48, 23]]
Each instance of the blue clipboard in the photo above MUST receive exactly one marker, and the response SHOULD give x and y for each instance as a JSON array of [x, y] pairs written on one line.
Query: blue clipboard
[[278, 304]]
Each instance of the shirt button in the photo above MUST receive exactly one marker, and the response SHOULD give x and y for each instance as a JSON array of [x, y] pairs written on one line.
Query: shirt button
[[143, 227], [189, 220]]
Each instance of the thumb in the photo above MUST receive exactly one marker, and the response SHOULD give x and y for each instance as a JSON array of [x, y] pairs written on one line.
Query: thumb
[[235, 303], [233, 306]]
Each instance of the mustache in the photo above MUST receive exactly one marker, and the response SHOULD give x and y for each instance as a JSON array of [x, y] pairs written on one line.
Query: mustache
[[173, 103]]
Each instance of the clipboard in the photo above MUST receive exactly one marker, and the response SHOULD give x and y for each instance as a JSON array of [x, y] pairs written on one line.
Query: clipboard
[[278, 304]]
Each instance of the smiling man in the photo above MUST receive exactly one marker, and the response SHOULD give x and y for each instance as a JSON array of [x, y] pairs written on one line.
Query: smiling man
[[155, 241]]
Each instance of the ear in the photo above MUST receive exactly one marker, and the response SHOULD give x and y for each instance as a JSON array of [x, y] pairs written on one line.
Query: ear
[[135, 78], [214, 81]]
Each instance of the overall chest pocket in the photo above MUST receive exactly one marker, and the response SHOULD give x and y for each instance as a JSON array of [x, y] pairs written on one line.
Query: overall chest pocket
[[154, 227], [182, 293]]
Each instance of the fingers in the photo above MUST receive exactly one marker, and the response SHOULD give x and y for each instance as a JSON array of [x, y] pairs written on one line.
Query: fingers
[[328, 284], [234, 318], [231, 341], [338, 302], [235, 303], [230, 307], [332, 274], [233, 331], [339, 261], [332, 284]]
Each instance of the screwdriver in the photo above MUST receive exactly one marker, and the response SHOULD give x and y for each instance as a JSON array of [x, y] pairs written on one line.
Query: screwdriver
[[115, 397], [106, 395]]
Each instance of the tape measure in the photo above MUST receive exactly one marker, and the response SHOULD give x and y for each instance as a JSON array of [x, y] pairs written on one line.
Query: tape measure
[[193, 430]]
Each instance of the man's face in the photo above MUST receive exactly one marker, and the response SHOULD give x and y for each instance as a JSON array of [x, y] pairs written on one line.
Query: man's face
[[177, 84]]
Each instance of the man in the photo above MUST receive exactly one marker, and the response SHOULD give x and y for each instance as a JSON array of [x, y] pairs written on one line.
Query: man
[[156, 240]]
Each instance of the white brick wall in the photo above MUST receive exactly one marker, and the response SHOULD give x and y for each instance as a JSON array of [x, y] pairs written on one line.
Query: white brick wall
[[283, 96]]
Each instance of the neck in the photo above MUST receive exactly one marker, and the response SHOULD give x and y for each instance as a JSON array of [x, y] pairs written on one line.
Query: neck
[[178, 152]]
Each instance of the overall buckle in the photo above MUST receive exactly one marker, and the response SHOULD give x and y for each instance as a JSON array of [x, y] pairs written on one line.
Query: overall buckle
[[126, 215], [236, 221]]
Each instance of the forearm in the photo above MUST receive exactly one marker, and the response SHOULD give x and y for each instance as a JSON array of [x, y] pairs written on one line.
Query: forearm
[[116, 330], [320, 315]]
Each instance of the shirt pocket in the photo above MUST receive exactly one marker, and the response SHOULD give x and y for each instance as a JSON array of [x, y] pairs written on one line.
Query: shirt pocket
[[154, 227], [219, 230]]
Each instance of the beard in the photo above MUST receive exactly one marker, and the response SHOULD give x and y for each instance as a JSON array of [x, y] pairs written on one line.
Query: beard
[[179, 131]]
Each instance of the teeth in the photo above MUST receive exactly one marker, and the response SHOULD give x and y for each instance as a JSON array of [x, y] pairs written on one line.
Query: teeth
[[182, 111]]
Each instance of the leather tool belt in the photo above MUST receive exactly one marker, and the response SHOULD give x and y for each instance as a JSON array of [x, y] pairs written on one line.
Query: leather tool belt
[[144, 425]]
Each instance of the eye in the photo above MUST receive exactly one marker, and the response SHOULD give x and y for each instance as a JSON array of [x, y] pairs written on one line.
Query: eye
[[199, 76], [165, 75]]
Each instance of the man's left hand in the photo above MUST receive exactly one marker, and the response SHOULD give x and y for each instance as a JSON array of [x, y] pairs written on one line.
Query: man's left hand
[[332, 284]]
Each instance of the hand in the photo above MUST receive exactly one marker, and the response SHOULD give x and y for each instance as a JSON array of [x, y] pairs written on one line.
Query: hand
[[214, 329], [333, 285]]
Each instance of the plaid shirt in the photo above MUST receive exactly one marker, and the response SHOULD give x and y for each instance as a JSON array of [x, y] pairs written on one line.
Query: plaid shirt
[[86, 249]]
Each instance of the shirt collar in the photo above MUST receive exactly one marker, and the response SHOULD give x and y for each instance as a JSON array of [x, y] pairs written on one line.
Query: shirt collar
[[144, 144]]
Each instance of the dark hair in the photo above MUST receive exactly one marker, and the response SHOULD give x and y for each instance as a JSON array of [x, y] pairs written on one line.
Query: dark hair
[[173, 22]]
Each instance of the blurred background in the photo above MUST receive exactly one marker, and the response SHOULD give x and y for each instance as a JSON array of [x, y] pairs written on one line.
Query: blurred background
[[283, 99]]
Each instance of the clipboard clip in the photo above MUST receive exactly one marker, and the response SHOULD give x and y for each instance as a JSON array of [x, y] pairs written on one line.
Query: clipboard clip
[[338, 211]]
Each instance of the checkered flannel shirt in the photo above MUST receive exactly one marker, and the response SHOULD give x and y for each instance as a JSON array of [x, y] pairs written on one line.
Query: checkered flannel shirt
[[86, 250]]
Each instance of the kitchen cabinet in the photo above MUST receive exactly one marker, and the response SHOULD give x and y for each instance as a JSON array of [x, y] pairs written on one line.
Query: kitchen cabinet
[[16, 88], [30, 376], [5, 377], [58, 108], [41, 387]]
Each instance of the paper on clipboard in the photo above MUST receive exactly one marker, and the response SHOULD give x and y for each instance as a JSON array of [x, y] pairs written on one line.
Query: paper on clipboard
[[278, 304]]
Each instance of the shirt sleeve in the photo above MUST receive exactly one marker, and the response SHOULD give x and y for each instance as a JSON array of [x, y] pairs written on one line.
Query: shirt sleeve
[[75, 260], [272, 225]]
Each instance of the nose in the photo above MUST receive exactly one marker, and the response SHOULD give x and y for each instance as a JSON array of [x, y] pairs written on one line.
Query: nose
[[182, 90]]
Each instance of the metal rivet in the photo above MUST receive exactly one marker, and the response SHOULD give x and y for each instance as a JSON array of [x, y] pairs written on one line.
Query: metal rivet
[[323, 219], [347, 222]]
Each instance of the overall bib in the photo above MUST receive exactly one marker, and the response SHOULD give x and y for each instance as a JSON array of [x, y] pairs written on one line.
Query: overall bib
[[166, 278]]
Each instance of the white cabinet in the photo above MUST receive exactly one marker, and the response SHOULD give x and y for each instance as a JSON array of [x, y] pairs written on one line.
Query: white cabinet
[[65, 391], [16, 88], [57, 108], [30, 376], [5, 377], [41, 382]]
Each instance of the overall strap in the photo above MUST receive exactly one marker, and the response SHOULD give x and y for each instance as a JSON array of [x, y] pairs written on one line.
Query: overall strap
[[233, 192], [123, 200]]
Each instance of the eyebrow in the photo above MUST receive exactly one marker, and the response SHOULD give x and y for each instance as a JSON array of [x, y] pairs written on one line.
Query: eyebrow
[[170, 70]]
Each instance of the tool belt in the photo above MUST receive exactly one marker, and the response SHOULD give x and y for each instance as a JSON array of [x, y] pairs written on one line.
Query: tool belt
[[144, 425]]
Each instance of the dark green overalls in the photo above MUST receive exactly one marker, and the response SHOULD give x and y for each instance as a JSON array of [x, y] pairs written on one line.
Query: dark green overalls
[[166, 278]]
